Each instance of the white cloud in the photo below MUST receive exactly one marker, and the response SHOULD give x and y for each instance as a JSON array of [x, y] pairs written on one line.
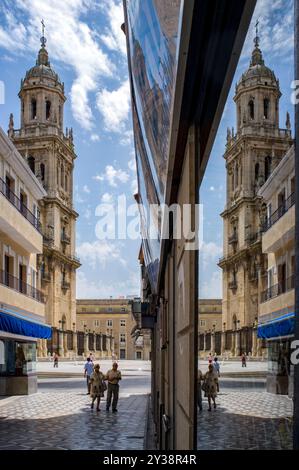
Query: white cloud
[[209, 253], [89, 289], [114, 37], [107, 198], [94, 137], [86, 189], [87, 213], [70, 40], [113, 176], [115, 106], [99, 253], [211, 289], [212, 188], [276, 30], [132, 164]]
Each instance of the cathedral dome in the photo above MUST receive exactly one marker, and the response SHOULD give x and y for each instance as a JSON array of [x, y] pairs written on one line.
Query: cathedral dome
[[258, 71], [42, 68]]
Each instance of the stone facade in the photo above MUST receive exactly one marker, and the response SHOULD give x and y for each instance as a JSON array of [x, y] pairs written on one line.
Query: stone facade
[[251, 155], [50, 155], [114, 318]]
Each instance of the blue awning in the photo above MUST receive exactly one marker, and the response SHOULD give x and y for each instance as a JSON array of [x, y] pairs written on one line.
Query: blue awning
[[19, 326], [278, 327]]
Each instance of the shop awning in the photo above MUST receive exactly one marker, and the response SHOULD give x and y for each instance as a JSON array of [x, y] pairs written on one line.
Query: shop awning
[[20, 326], [281, 326]]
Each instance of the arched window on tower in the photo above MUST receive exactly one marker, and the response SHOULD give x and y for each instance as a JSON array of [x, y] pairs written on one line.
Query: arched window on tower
[[48, 109], [57, 175], [267, 167], [251, 109], [65, 182], [233, 181], [31, 163], [42, 171], [33, 108], [266, 108]]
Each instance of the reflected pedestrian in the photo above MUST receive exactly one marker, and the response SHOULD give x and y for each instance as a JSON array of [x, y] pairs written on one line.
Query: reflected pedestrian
[[113, 376], [243, 359], [55, 359], [88, 370], [210, 386], [199, 389], [96, 386]]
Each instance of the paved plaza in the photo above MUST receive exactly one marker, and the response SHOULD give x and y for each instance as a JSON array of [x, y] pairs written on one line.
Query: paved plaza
[[59, 417], [246, 418]]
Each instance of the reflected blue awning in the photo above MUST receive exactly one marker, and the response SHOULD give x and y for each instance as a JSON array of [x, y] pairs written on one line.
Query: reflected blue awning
[[14, 324], [281, 326]]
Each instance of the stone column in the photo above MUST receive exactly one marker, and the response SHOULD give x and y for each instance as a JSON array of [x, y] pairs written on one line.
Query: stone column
[[86, 349], [212, 342], [112, 345], [94, 342], [75, 343], [259, 347], [233, 346], [237, 343], [254, 342], [223, 341], [45, 348], [60, 343], [204, 342], [101, 345], [65, 343], [108, 345]]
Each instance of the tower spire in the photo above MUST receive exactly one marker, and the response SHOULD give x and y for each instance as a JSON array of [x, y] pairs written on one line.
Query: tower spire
[[43, 40], [257, 57], [43, 58]]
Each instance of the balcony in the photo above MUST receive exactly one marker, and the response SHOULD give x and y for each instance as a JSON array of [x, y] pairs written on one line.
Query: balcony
[[278, 289], [17, 222], [65, 239], [279, 228], [17, 203], [233, 239], [253, 238], [20, 286], [46, 277]]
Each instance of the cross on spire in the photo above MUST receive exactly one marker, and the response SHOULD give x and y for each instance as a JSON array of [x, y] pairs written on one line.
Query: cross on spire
[[43, 39], [256, 39]]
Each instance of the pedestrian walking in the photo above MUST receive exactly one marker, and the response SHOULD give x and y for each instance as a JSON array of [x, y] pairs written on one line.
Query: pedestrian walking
[[88, 370], [91, 357], [210, 386], [216, 366], [113, 377], [97, 386], [243, 359], [210, 358], [55, 357], [199, 389]]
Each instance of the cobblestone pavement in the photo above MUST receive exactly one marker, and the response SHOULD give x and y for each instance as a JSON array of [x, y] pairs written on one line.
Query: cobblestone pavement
[[62, 419], [251, 419]]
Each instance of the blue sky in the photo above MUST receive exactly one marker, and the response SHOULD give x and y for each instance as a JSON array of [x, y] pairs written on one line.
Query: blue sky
[[87, 49]]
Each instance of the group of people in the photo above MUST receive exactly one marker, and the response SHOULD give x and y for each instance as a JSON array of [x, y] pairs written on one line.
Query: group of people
[[208, 383], [96, 384]]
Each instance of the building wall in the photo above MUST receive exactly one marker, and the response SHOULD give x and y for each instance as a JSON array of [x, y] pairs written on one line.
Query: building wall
[[113, 316], [209, 315]]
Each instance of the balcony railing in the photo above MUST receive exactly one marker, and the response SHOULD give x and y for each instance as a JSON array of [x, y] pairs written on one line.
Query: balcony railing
[[19, 205], [282, 209], [6, 279], [278, 289]]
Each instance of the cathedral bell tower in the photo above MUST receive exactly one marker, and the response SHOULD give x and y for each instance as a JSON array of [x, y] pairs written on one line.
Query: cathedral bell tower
[[252, 152], [50, 155]]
